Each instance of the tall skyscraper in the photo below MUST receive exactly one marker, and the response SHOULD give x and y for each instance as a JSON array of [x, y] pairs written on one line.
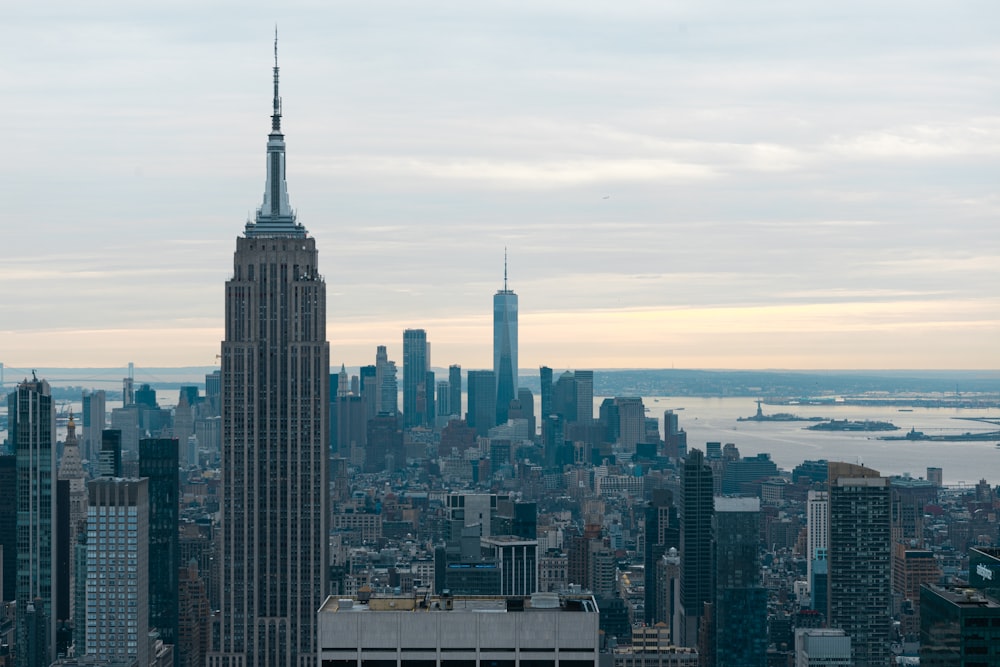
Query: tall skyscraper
[[482, 401], [740, 612], [8, 527], [159, 462], [817, 534], [545, 383], [696, 509], [117, 570], [443, 405], [275, 415], [455, 389], [94, 422], [381, 364], [416, 364], [584, 382], [631, 422], [859, 561], [32, 430], [505, 346], [75, 522]]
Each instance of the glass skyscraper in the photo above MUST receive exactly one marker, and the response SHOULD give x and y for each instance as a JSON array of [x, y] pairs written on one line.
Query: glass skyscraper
[[32, 430], [504, 347]]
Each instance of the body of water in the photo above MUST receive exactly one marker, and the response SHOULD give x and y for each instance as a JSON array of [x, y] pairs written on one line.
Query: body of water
[[790, 443]]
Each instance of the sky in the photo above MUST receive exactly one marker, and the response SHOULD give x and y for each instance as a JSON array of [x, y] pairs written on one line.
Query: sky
[[776, 184]]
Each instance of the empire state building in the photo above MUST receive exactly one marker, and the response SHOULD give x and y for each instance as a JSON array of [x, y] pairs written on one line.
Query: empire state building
[[275, 405]]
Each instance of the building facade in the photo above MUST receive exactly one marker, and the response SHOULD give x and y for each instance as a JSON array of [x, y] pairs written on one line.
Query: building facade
[[740, 612], [416, 364], [275, 415], [32, 431], [159, 463], [117, 570], [697, 584], [860, 561], [545, 630], [504, 347]]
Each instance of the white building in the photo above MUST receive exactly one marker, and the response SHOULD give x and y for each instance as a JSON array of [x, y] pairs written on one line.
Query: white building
[[118, 570], [545, 630], [822, 646], [817, 528]]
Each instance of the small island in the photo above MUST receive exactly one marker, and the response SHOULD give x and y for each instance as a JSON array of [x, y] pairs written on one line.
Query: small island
[[778, 417], [848, 425]]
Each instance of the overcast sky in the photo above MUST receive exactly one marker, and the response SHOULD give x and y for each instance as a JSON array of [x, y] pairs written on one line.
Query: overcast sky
[[768, 184]]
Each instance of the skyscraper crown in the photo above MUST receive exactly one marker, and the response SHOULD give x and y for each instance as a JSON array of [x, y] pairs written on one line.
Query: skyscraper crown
[[275, 217]]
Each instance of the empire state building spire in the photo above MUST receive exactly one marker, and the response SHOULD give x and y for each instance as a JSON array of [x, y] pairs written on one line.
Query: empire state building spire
[[275, 216]]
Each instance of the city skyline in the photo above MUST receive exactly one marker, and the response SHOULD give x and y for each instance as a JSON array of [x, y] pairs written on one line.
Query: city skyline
[[679, 185]]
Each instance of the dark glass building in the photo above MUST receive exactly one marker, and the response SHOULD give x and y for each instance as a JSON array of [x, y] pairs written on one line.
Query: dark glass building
[[697, 574], [958, 628], [415, 366], [482, 413], [158, 461], [740, 613], [32, 432]]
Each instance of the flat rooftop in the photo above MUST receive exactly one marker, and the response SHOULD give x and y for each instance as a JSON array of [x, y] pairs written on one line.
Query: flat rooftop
[[579, 602]]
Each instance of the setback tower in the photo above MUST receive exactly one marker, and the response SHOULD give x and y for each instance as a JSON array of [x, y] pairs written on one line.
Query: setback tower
[[275, 416]]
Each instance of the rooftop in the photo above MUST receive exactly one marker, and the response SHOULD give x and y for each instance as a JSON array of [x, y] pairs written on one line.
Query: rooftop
[[538, 602]]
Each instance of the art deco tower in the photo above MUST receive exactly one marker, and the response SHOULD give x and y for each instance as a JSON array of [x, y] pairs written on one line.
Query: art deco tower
[[275, 408], [505, 346]]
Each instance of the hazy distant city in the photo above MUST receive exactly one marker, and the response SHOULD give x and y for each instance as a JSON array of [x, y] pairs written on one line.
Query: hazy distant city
[[313, 499]]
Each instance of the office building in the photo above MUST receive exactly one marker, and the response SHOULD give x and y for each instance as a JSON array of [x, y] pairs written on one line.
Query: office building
[[94, 422], [697, 575], [546, 389], [368, 389], [958, 628], [443, 392], [544, 630], [348, 425], [416, 364], [583, 382], [817, 532], [388, 403], [631, 422], [661, 532], [517, 559], [213, 393], [504, 347], [911, 569], [482, 402], [74, 521], [674, 437], [860, 561], [32, 432], [117, 570], [909, 497], [740, 611], [109, 459], [8, 528], [158, 461], [822, 647], [527, 409], [455, 390], [275, 450], [984, 570], [384, 444]]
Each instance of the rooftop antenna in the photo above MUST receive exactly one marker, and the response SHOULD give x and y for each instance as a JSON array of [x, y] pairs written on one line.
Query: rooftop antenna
[[505, 268], [276, 117]]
